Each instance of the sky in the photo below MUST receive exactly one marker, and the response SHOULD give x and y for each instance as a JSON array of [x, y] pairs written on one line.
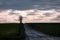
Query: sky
[[31, 10]]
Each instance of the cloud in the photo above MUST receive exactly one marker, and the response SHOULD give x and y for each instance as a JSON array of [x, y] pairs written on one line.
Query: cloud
[[48, 14], [11, 15], [56, 18]]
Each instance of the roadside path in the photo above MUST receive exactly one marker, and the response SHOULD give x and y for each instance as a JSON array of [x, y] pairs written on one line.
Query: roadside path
[[34, 35]]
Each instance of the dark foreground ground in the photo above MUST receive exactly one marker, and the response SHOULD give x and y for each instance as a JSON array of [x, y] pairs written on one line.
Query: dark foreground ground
[[52, 29], [10, 31]]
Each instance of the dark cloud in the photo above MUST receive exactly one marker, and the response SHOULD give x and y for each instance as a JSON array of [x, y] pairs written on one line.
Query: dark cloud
[[48, 14], [28, 4], [56, 18]]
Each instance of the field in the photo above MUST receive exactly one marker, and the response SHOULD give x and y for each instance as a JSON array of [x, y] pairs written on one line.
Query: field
[[10, 30], [52, 29]]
